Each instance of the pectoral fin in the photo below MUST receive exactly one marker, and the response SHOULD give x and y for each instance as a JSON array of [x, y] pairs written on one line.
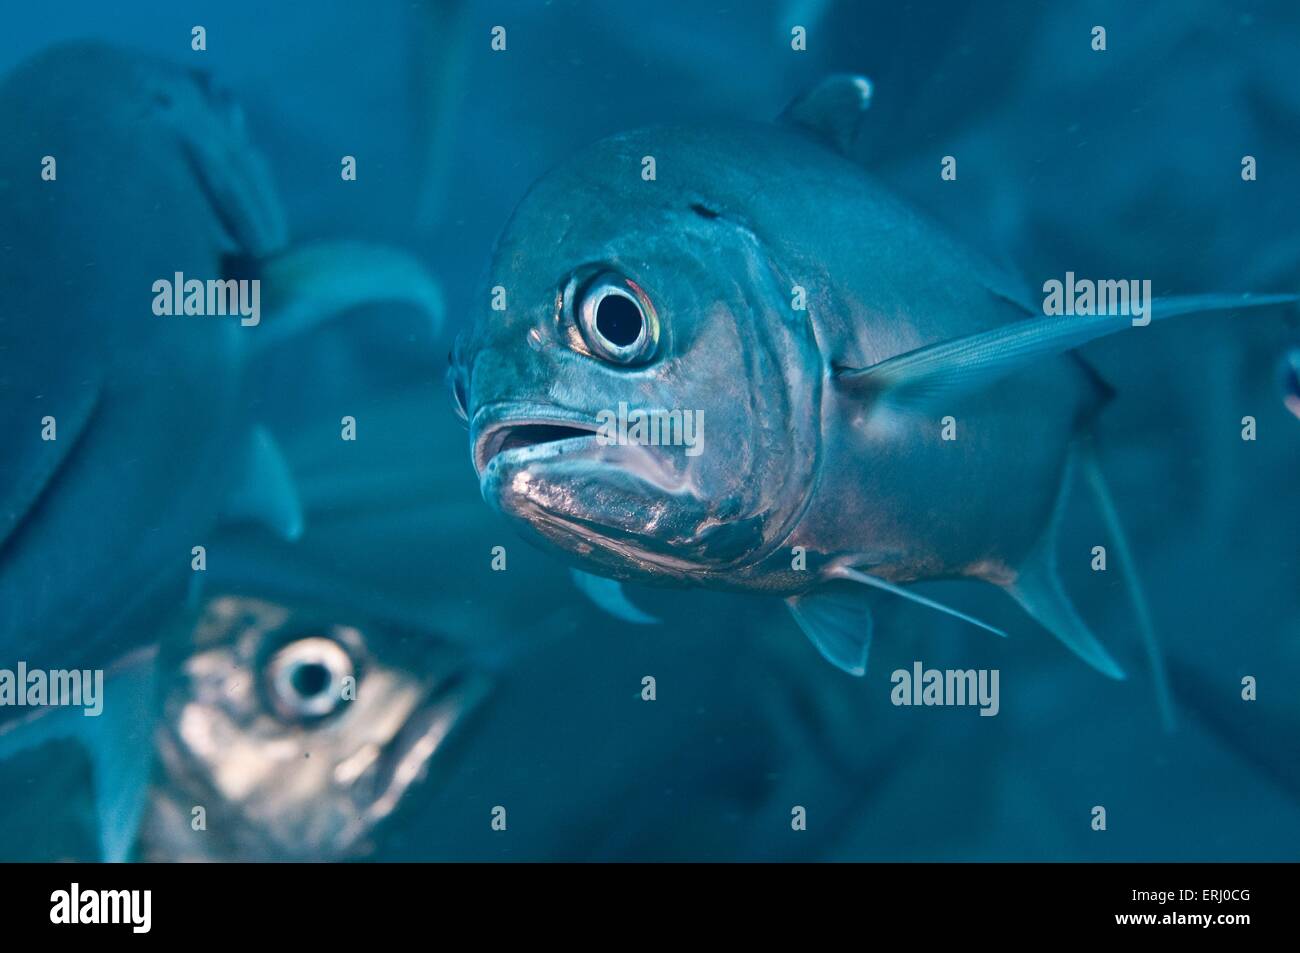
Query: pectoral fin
[[929, 376], [313, 284], [609, 596]]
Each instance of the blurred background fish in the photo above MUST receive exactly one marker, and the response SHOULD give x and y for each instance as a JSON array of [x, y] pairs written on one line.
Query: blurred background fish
[[286, 736]]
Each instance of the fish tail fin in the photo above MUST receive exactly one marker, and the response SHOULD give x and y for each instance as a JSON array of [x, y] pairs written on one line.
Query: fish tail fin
[[1128, 571], [1038, 589]]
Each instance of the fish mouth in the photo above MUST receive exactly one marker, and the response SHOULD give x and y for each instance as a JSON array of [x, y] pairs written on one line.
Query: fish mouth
[[531, 434], [556, 471], [406, 758]]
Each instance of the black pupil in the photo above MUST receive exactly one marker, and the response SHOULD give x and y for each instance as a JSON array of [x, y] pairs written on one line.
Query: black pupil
[[618, 320], [310, 679]]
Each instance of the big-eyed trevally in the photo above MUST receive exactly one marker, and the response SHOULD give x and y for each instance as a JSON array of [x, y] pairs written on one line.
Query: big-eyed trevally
[[823, 338], [123, 431]]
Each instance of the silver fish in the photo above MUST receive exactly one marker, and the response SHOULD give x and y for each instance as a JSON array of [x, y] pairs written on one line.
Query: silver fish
[[825, 478], [296, 735]]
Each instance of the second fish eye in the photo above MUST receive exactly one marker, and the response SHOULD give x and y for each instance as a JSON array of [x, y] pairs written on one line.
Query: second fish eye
[[617, 321], [305, 678]]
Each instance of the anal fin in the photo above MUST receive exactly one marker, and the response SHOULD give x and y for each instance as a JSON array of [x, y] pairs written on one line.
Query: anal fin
[[1038, 590]]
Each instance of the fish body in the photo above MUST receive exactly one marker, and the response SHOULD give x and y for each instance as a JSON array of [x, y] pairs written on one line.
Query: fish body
[[881, 406], [801, 464], [126, 435], [154, 176]]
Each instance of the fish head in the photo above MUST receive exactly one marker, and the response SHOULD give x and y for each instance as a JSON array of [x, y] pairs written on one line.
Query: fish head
[[616, 299], [301, 734]]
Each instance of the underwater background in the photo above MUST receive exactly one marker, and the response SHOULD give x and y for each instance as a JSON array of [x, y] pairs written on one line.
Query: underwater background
[[507, 692]]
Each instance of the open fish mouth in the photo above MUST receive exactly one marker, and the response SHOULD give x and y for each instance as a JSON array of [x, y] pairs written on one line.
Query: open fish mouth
[[531, 436], [406, 759]]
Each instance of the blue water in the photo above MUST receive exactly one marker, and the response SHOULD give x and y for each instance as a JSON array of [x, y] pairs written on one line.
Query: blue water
[[1124, 163]]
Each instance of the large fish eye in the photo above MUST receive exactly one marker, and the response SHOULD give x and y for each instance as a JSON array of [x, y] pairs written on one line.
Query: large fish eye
[[305, 678], [617, 320]]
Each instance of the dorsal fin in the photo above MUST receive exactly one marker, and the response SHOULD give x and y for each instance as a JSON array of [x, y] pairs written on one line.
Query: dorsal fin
[[832, 110]]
